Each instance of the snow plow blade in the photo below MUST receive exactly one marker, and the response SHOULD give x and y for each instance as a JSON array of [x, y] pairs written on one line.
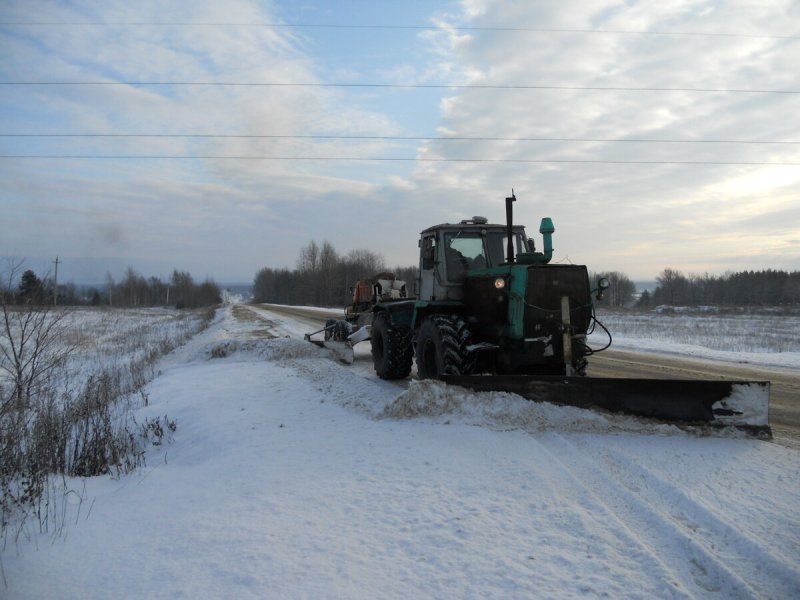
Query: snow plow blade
[[740, 404], [342, 351]]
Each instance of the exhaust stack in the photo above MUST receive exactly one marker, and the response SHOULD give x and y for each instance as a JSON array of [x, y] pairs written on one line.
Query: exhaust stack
[[509, 227], [531, 257]]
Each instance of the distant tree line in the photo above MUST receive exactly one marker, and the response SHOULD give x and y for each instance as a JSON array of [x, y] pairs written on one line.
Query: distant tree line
[[133, 290], [323, 277], [744, 288]]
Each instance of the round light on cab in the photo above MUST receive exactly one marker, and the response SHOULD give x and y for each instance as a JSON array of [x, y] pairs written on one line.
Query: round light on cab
[[499, 283]]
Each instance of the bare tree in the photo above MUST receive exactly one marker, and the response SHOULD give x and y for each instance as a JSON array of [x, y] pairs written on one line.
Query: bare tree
[[363, 264], [330, 284], [309, 258], [672, 288], [30, 342]]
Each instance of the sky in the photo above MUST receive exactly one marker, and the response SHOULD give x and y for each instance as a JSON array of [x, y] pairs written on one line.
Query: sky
[[655, 134]]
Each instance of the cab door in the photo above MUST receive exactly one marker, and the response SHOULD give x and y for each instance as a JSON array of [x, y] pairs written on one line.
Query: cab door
[[427, 268]]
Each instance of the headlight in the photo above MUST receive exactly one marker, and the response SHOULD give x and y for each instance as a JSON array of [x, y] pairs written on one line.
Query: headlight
[[499, 283]]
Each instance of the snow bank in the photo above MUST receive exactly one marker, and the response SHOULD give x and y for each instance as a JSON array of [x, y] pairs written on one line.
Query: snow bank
[[505, 411]]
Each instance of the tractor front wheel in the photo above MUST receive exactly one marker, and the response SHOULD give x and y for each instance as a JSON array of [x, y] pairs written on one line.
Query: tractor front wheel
[[442, 347]]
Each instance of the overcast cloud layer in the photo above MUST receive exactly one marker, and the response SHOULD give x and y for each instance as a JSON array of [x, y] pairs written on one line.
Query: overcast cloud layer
[[226, 218]]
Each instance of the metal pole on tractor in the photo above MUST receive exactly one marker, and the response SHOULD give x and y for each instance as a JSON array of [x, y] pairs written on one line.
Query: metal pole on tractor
[[509, 226], [566, 337]]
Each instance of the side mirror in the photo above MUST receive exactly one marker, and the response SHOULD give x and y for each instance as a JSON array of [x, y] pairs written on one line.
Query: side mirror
[[602, 286]]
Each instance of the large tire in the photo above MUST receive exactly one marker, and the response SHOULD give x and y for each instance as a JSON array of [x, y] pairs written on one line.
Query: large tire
[[337, 330], [442, 347], [392, 352], [342, 331], [329, 329]]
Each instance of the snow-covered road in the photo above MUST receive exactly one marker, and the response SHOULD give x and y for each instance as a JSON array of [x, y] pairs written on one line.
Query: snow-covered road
[[292, 476]]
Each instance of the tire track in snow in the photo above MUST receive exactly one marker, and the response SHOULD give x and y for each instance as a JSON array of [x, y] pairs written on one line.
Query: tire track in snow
[[687, 546], [674, 541], [707, 527], [649, 557]]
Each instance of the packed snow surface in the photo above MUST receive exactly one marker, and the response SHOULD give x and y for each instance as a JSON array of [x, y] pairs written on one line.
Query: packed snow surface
[[293, 476]]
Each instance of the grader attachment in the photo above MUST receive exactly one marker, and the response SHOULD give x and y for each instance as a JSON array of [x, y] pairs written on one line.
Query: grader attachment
[[740, 404], [335, 340], [340, 335]]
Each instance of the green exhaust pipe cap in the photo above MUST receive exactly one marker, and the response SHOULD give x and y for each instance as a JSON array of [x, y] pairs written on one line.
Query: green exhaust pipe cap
[[541, 258], [546, 229]]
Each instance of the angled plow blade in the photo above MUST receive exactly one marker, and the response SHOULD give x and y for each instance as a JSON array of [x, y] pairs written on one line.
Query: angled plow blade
[[740, 404], [342, 351]]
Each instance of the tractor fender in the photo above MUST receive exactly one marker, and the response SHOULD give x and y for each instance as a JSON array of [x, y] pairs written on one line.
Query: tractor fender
[[400, 313], [423, 309]]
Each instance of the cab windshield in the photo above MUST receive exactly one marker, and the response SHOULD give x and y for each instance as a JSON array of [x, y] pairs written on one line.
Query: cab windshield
[[467, 250]]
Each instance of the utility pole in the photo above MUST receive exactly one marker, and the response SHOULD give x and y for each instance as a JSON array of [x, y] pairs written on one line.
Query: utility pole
[[55, 283]]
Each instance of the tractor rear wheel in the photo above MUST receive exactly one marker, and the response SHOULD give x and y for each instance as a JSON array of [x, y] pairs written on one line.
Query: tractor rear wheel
[[392, 351], [442, 347]]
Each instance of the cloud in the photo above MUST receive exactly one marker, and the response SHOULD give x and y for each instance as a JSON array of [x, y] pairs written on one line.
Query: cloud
[[231, 217], [606, 212]]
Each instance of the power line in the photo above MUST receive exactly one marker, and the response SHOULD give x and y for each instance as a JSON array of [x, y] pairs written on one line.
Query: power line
[[393, 27], [386, 138], [393, 159], [395, 86]]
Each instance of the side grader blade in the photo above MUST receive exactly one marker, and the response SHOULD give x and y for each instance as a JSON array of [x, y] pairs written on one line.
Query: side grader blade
[[740, 404], [342, 351]]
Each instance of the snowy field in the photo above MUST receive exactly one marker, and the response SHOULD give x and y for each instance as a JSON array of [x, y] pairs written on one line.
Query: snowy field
[[759, 340], [97, 339], [293, 476]]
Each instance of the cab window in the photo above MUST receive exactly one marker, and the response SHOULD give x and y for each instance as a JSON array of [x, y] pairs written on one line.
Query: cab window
[[463, 251], [497, 243]]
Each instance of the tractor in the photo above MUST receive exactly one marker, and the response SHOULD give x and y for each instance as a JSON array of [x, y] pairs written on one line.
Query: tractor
[[487, 302], [493, 313]]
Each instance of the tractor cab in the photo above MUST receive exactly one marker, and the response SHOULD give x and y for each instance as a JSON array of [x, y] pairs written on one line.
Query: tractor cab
[[451, 250]]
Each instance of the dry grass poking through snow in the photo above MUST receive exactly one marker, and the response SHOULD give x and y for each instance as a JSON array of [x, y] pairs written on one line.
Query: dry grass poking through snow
[[75, 418]]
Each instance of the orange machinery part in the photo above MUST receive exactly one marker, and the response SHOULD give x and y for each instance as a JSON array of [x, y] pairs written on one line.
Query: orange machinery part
[[362, 292]]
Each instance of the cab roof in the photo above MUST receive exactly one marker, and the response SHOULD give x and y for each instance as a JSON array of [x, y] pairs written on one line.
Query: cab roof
[[470, 225]]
